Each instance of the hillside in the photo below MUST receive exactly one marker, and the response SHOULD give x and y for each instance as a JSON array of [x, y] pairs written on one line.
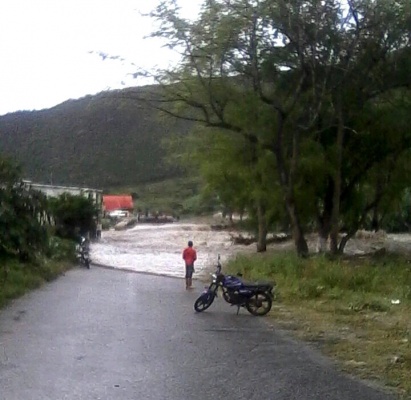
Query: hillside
[[101, 141]]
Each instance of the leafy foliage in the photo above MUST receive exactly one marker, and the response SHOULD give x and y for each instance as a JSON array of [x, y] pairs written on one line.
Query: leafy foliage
[[22, 233], [292, 79], [73, 215]]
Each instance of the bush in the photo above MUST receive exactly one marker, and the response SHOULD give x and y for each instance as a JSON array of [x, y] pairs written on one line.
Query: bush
[[61, 249], [73, 215], [23, 277]]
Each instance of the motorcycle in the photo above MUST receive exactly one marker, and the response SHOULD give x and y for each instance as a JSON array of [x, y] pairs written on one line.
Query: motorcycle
[[257, 298], [83, 253]]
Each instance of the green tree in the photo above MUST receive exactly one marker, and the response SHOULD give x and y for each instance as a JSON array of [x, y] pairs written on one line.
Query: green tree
[[23, 233], [370, 59], [219, 82], [73, 215], [232, 173], [289, 77]]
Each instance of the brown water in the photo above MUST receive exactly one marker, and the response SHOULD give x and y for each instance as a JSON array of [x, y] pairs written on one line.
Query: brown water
[[158, 248]]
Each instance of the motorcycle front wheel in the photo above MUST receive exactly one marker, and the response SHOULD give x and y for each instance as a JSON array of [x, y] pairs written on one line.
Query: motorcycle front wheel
[[203, 302], [259, 304], [85, 261], [226, 296]]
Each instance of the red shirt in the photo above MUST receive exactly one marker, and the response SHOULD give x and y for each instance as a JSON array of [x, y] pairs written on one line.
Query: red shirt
[[189, 255]]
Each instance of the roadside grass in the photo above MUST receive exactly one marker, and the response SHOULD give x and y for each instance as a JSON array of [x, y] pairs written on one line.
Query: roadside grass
[[17, 278], [356, 309], [21, 278]]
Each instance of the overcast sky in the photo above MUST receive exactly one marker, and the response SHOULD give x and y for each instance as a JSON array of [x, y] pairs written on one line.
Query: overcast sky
[[49, 48]]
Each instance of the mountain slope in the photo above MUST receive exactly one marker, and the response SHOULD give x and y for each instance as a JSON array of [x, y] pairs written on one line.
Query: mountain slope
[[101, 141]]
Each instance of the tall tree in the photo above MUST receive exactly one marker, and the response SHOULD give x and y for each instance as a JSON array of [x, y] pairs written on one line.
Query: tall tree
[[284, 74], [221, 73]]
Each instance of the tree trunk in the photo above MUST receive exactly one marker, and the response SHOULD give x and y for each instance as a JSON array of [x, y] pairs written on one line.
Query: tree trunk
[[262, 228], [324, 218], [335, 215], [375, 223], [323, 233], [298, 234], [287, 182]]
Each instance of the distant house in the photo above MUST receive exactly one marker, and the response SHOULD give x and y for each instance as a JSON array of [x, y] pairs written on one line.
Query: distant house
[[112, 203]]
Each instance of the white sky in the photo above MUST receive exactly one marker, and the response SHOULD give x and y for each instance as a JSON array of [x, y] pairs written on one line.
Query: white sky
[[46, 48]]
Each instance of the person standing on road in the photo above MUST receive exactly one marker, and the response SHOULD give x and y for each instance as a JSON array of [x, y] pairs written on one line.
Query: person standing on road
[[189, 256]]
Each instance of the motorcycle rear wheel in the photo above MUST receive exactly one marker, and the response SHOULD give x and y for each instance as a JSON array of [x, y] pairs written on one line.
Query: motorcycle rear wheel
[[259, 304], [202, 303]]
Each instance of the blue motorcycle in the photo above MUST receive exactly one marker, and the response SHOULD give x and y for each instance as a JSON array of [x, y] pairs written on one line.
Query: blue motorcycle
[[256, 298], [83, 252]]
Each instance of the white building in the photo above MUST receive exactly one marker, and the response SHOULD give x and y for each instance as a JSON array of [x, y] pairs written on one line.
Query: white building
[[54, 191]]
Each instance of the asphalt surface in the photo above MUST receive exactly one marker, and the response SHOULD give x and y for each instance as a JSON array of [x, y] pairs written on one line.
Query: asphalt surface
[[106, 334]]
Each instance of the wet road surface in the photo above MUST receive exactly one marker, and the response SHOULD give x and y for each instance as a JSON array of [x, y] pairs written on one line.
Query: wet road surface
[[106, 334]]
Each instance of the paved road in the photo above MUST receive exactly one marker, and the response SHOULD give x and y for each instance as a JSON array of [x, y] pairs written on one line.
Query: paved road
[[104, 334]]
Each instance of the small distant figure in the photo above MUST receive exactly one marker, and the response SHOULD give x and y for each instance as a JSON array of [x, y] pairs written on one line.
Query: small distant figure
[[189, 256]]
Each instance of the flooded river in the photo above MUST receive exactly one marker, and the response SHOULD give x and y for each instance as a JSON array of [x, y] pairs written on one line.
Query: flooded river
[[155, 248]]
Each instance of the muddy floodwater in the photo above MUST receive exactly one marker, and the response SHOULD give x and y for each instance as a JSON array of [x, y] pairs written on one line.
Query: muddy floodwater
[[157, 249]]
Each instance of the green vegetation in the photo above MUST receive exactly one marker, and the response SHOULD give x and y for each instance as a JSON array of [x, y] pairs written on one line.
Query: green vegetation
[[304, 109], [377, 279], [18, 278], [22, 232], [30, 251], [356, 309], [73, 215], [110, 139]]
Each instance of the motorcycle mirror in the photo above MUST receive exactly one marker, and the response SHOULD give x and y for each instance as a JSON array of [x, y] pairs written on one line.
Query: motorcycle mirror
[[218, 265]]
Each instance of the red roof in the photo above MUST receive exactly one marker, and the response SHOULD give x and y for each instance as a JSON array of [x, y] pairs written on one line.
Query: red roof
[[111, 203]]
